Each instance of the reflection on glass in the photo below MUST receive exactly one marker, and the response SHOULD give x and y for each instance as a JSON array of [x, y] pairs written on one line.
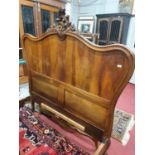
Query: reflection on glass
[[115, 28], [103, 30], [28, 19], [45, 20]]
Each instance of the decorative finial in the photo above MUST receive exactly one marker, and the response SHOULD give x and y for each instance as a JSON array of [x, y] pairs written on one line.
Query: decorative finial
[[63, 24]]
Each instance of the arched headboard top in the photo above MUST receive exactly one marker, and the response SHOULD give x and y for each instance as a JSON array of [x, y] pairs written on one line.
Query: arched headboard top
[[76, 34]]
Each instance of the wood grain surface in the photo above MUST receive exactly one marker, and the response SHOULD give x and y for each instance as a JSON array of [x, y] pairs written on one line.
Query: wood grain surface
[[78, 78]]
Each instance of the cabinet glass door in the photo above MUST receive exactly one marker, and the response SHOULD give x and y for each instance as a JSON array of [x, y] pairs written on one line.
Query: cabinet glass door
[[116, 29], [28, 19], [46, 17], [103, 31], [45, 20]]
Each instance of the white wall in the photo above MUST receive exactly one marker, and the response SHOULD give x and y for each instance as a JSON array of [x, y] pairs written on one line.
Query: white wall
[[92, 7], [68, 9], [131, 41]]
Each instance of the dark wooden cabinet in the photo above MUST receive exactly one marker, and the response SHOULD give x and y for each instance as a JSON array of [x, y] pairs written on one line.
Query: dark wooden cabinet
[[113, 28]]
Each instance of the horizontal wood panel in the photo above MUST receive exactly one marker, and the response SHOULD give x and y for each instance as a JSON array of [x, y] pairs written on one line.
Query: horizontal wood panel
[[67, 87], [85, 109], [44, 88]]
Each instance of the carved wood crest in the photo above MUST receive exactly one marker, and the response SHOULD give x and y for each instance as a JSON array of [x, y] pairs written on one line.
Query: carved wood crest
[[63, 25]]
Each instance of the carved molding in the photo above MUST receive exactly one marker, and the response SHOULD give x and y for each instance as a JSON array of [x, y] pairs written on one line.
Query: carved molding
[[63, 25]]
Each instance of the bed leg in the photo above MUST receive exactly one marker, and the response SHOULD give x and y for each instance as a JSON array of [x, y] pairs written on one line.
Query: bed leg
[[32, 104], [102, 148], [21, 104]]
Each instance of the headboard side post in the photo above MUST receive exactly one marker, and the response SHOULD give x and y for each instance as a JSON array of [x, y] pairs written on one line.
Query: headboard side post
[[131, 64]]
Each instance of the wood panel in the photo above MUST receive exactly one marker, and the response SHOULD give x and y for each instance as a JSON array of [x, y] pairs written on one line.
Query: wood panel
[[82, 79], [55, 3]]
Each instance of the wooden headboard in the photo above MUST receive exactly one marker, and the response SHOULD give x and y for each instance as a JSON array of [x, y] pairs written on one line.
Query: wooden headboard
[[77, 78]]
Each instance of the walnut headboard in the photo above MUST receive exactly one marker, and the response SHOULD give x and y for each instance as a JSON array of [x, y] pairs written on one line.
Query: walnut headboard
[[78, 79]]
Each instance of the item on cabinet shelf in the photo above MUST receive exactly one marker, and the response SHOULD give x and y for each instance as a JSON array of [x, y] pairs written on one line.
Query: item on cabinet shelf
[[113, 28]]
